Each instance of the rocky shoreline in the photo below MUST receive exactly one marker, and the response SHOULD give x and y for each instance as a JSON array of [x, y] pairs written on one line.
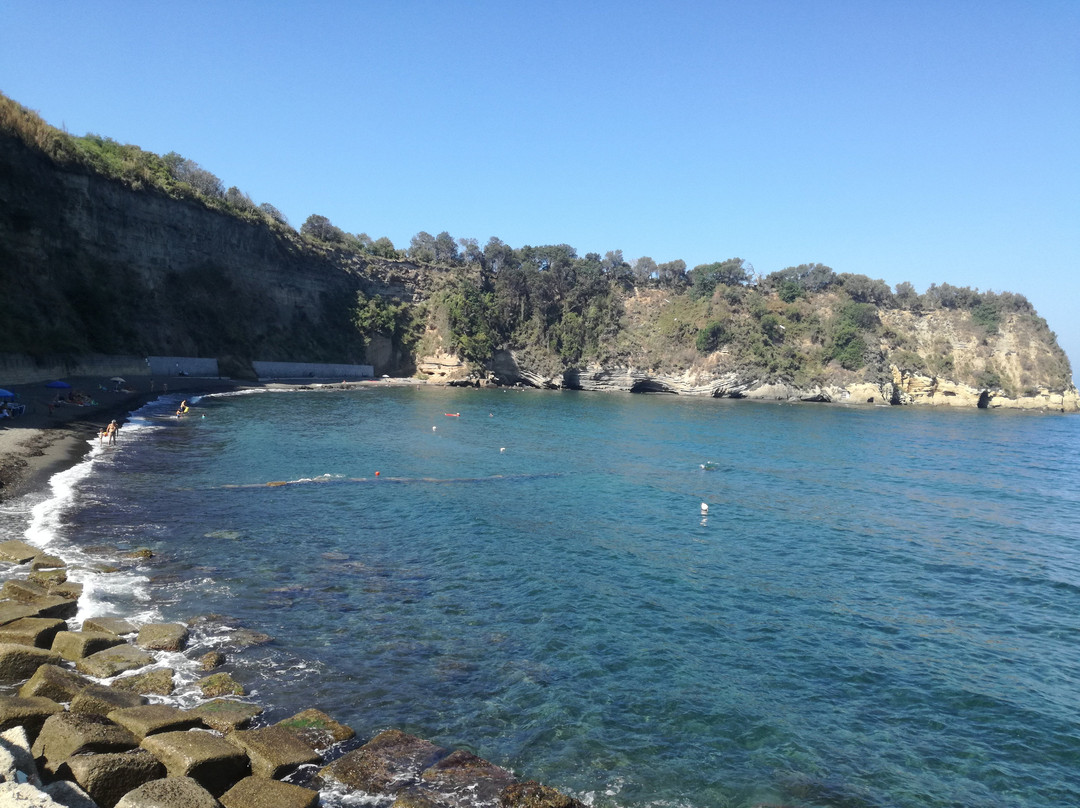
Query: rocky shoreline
[[85, 720], [901, 388]]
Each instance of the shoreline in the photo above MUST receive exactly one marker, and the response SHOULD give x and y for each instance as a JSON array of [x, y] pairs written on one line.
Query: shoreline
[[38, 444]]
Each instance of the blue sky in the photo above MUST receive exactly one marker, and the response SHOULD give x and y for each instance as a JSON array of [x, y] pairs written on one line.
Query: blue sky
[[905, 140]]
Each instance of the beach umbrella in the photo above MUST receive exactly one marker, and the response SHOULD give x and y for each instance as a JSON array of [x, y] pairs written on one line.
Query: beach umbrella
[[6, 393], [58, 385], [116, 379]]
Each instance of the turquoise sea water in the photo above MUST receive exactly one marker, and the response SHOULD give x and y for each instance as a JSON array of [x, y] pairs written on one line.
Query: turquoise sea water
[[881, 608]]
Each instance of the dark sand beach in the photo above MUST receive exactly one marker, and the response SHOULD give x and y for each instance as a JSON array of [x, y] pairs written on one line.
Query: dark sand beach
[[45, 440]]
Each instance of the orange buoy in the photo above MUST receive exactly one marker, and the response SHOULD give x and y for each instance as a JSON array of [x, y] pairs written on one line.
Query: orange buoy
[[376, 474]]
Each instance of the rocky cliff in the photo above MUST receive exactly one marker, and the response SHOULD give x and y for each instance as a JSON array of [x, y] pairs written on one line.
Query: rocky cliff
[[89, 265], [93, 265], [936, 358]]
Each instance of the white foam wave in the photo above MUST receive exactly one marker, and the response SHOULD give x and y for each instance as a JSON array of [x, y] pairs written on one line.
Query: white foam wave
[[46, 517]]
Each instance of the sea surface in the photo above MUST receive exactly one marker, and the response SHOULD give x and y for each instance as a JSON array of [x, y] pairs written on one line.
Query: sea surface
[[880, 608]]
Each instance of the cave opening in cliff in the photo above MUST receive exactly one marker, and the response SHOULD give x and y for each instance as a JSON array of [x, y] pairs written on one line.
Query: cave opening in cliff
[[984, 400], [650, 386]]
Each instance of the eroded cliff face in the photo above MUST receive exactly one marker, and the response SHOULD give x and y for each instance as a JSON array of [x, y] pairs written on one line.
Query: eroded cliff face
[[89, 265], [917, 360], [905, 388]]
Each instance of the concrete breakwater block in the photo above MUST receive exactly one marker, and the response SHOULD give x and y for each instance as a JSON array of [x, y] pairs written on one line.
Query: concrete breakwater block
[[18, 662], [274, 752], [112, 625], [112, 661], [171, 792], [156, 682], [108, 776], [258, 792], [22, 590], [102, 700], [317, 729], [212, 762], [225, 715], [11, 610], [67, 590], [45, 561], [76, 645], [48, 578], [68, 794], [163, 637], [54, 682], [36, 631], [154, 718], [17, 552], [55, 606], [28, 713], [67, 734]]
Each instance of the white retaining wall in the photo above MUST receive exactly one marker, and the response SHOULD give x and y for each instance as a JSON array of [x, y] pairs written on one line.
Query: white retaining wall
[[311, 370]]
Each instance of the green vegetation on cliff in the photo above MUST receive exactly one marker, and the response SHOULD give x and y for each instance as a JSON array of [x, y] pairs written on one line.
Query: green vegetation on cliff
[[263, 290]]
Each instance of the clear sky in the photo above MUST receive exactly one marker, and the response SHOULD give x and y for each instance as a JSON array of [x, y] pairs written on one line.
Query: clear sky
[[914, 140]]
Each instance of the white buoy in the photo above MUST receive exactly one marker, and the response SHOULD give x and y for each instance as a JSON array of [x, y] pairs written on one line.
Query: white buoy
[[704, 508], [434, 428], [503, 449]]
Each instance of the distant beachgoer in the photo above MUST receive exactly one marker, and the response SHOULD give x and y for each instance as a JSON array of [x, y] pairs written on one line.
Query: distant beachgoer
[[183, 408], [110, 432]]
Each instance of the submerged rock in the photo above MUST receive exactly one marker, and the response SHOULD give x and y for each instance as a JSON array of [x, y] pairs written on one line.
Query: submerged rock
[[157, 682], [387, 763], [532, 794], [220, 684]]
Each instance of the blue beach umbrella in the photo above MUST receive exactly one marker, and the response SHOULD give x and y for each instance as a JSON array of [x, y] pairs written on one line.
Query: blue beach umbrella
[[58, 385], [6, 393]]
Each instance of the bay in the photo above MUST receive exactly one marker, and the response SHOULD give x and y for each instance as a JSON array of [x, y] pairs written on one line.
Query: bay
[[879, 609]]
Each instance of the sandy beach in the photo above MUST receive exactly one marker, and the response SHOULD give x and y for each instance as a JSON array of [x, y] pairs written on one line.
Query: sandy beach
[[45, 440]]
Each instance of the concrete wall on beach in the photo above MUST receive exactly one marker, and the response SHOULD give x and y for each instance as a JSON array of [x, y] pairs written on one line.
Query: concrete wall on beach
[[183, 366], [22, 369], [311, 370]]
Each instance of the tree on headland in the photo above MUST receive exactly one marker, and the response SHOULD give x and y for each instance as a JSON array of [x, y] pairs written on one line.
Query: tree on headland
[[190, 172], [384, 248], [239, 200], [321, 228], [422, 247], [704, 278], [803, 278], [672, 274], [446, 249], [273, 213], [645, 270], [866, 290]]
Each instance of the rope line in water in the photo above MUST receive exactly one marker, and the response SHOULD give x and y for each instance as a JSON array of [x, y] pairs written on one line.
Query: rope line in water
[[407, 480]]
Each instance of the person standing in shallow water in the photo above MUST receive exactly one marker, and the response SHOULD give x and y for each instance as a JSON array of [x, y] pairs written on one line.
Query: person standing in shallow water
[[110, 433]]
